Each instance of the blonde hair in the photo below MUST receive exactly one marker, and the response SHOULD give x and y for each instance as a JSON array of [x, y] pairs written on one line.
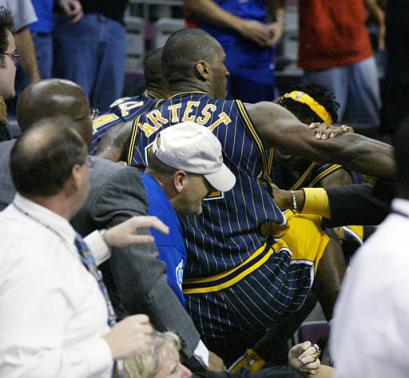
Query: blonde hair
[[147, 364]]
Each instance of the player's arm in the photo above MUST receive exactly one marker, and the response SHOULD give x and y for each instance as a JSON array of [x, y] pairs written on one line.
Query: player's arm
[[277, 127], [214, 14], [114, 145]]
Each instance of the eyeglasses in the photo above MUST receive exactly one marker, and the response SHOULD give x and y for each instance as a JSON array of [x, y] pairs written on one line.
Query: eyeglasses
[[15, 57]]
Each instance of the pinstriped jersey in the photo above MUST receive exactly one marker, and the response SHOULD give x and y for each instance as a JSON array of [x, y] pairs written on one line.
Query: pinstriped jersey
[[229, 229], [308, 174], [122, 110], [283, 174]]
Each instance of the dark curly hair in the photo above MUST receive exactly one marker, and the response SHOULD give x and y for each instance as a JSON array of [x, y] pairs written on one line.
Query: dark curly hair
[[302, 111], [6, 24]]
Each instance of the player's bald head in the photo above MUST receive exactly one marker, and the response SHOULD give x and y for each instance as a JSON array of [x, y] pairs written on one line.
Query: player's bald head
[[183, 50], [54, 97], [153, 73]]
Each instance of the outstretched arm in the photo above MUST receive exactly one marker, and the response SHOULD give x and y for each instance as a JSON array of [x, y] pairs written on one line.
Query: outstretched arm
[[277, 127]]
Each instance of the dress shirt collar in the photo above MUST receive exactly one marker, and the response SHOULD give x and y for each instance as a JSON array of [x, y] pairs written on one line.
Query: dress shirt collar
[[56, 223], [401, 204]]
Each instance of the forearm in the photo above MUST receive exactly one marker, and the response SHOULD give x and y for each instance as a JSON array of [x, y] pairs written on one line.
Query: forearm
[[277, 127], [141, 281], [276, 10], [368, 156], [25, 47], [375, 11], [213, 14]]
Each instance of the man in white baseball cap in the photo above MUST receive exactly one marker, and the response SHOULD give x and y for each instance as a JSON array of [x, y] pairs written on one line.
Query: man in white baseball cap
[[185, 164], [191, 148]]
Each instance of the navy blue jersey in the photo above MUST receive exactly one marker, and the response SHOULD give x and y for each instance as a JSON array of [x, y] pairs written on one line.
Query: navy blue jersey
[[229, 229], [122, 110]]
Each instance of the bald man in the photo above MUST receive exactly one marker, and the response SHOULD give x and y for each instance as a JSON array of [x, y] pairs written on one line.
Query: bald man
[[116, 194]]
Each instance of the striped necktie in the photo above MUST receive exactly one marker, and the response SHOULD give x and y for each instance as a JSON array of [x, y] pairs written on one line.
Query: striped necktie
[[89, 262]]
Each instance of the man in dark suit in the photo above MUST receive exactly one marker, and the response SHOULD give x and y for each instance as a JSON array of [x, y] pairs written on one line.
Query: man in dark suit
[[116, 194]]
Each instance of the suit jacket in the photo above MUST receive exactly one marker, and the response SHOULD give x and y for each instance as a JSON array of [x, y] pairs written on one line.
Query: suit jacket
[[7, 190], [359, 204], [135, 276]]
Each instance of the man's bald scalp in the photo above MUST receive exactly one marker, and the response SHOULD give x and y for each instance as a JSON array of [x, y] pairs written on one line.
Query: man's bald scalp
[[183, 50], [48, 98]]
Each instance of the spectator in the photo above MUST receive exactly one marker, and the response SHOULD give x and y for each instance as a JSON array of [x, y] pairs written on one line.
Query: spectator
[[335, 51], [371, 316], [41, 31], [248, 32], [163, 361], [47, 267], [23, 14], [140, 277], [8, 63], [90, 47], [184, 165]]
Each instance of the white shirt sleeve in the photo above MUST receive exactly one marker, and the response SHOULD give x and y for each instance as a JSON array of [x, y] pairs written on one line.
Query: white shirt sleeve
[[22, 11], [99, 248], [201, 353], [35, 311]]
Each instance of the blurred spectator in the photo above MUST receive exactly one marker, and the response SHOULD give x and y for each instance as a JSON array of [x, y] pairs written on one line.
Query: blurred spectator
[[248, 32], [184, 164], [8, 63], [90, 47], [24, 15], [372, 315], [335, 51], [42, 36], [48, 267]]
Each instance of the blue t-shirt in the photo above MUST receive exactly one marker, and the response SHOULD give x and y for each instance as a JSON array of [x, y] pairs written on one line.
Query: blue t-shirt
[[44, 11], [171, 247]]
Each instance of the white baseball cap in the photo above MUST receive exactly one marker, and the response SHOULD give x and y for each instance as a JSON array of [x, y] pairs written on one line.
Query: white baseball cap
[[194, 149]]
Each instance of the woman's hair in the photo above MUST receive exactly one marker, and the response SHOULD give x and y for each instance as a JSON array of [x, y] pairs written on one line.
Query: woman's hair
[[147, 364]]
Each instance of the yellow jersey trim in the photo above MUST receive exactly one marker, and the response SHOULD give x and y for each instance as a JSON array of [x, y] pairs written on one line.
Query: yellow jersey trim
[[325, 173], [304, 176], [187, 92], [256, 138], [233, 280], [133, 138]]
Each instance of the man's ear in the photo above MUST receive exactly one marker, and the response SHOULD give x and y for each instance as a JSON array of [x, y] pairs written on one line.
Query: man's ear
[[179, 181], [202, 70], [74, 180]]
